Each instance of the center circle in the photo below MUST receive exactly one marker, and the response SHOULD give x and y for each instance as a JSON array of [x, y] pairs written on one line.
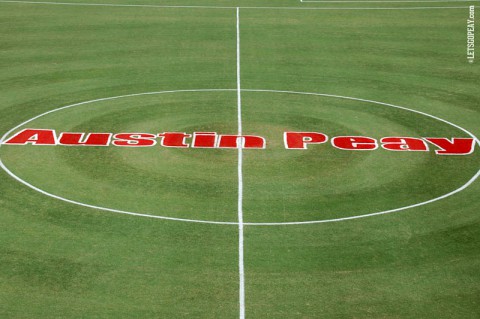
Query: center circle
[[318, 185]]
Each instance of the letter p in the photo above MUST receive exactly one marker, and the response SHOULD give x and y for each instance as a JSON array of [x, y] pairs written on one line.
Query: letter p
[[300, 140]]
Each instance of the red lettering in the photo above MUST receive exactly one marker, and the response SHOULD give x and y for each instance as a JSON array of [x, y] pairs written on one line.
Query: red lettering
[[93, 139], [204, 139], [33, 136], [300, 140], [174, 139], [404, 144], [354, 143], [455, 146], [134, 139], [247, 141]]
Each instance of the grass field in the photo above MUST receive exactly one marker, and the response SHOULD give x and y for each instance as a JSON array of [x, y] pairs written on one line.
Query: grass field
[[166, 232]]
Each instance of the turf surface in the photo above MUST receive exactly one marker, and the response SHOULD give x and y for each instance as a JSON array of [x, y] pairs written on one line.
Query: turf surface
[[60, 260]]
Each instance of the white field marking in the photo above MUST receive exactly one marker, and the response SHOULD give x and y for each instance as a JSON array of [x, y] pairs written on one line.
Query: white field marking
[[461, 188], [241, 265], [382, 1], [221, 7], [114, 5], [5, 136]]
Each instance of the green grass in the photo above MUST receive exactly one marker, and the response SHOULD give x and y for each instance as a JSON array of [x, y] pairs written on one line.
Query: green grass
[[59, 260]]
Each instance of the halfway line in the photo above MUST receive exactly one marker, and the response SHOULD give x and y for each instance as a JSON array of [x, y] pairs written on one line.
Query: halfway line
[[241, 267]]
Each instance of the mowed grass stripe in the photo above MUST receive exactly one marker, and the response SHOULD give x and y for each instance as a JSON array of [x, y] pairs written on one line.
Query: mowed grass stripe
[[141, 180], [113, 52], [331, 54], [419, 263], [61, 260]]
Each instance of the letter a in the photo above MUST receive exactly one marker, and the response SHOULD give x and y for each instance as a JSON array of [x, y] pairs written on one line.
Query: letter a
[[33, 136]]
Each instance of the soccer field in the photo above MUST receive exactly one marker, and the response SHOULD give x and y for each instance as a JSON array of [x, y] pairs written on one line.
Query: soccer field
[[239, 159]]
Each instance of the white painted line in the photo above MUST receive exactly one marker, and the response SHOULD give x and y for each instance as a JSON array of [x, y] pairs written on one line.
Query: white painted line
[[383, 1], [373, 214], [113, 5], [461, 188], [106, 208], [221, 7], [241, 265], [5, 136]]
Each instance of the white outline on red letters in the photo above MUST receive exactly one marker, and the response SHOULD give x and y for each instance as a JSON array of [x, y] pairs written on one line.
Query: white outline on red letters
[[3, 142], [82, 138], [332, 141], [183, 141], [403, 139], [472, 149], [305, 147], [194, 138], [242, 142], [461, 188], [136, 137]]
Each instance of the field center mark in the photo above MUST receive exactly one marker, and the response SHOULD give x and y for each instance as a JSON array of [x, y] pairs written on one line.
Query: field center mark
[[461, 188]]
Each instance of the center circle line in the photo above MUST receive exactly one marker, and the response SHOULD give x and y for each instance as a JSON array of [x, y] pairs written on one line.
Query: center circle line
[[461, 188]]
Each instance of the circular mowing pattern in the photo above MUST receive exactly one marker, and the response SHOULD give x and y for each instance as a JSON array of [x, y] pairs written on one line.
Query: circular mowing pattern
[[461, 188]]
